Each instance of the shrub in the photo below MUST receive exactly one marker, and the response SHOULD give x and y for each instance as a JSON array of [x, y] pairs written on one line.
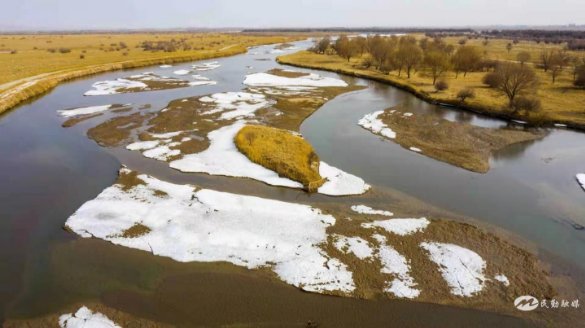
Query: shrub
[[528, 104], [463, 94], [82, 56], [492, 80], [64, 50], [13, 52], [52, 50], [441, 85]]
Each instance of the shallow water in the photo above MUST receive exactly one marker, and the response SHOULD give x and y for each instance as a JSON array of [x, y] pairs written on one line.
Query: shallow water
[[47, 172]]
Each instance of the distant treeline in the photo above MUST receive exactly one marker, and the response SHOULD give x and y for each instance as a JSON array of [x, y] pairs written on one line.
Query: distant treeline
[[372, 30], [575, 40]]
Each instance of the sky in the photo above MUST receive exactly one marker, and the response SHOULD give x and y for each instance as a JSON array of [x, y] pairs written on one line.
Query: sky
[[135, 14]]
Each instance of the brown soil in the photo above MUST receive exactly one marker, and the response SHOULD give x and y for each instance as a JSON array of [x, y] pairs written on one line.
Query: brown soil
[[285, 73], [113, 132], [135, 231], [75, 120], [460, 144]]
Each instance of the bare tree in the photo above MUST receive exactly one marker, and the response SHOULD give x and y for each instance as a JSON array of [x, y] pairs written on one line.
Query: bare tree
[[380, 48], [523, 56], [509, 47], [515, 79], [345, 47], [437, 61], [322, 45], [408, 55], [545, 56], [466, 59]]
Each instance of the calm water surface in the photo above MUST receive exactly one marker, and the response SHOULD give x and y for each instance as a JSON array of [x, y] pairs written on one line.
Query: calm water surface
[[47, 172]]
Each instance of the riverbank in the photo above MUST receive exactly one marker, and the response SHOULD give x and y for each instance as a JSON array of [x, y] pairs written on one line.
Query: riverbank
[[21, 90], [487, 101]]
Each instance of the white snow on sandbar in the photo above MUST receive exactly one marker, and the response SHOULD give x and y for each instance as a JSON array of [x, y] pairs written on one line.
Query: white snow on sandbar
[[114, 87], [84, 110], [372, 123], [394, 263], [223, 158], [402, 227], [190, 224], [206, 66], [235, 104], [162, 152], [182, 72], [581, 179], [363, 209], [355, 245], [310, 80], [142, 145], [340, 183], [414, 149], [166, 135], [166, 66], [503, 279], [462, 268], [86, 318], [197, 83]]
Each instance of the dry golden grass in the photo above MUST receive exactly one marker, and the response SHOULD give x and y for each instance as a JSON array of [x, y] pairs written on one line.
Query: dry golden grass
[[561, 102], [281, 151], [33, 70]]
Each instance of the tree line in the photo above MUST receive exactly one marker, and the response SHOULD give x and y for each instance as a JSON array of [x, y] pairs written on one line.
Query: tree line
[[407, 55]]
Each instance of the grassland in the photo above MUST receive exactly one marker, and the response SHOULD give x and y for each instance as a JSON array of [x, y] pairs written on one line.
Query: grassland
[[561, 102], [33, 64], [281, 151]]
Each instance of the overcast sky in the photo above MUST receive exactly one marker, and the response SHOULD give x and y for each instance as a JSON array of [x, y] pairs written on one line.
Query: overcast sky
[[112, 14]]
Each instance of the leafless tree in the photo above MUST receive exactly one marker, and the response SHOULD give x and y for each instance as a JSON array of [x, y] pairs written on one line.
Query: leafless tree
[[437, 62], [466, 59], [515, 79]]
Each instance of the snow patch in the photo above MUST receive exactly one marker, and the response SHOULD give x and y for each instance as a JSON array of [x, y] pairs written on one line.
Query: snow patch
[[355, 245], [394, 263], [84, 110], [363, 209], [190, 224], [402, 227], [114, 87], [310, 80], [182, 72], [86, 318], [417, 150], [462, 268], [206, 66], [581, 179], [503, 279], [166, 66], [235, 104], [340, 183], [142, 145], [372, 123]]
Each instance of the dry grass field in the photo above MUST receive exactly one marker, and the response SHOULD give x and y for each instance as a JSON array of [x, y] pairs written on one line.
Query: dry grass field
[[561, 101], [33, 64]]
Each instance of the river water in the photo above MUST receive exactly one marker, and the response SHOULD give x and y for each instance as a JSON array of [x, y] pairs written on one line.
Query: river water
[[47, 172]]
